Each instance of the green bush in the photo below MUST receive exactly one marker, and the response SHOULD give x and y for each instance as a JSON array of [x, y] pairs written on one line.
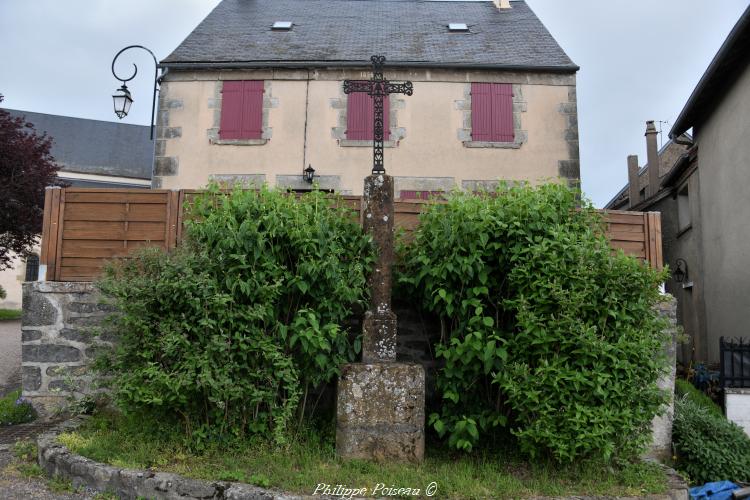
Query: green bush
[[709, 447], [545, 331], [14, 409], [232, 331], [685, 388]]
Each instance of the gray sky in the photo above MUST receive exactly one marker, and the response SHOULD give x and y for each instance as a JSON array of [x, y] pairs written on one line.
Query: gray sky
[[640, 60]]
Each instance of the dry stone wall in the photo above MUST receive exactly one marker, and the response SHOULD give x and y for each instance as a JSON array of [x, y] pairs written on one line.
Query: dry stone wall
[[61, 334]]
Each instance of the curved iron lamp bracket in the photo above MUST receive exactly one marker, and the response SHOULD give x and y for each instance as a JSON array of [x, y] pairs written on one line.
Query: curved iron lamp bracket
[[157, 78]]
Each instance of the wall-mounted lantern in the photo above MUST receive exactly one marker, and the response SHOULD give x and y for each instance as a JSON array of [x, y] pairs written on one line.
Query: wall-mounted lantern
[[680, 272], [308, 174], [122, 101]]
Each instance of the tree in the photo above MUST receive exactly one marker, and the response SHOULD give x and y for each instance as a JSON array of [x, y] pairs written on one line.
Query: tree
[[26, 169]]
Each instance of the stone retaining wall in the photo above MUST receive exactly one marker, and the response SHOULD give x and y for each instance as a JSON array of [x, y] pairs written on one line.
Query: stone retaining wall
[[60, 336]]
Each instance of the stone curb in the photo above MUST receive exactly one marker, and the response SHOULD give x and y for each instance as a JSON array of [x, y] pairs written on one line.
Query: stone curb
[[56, 460]]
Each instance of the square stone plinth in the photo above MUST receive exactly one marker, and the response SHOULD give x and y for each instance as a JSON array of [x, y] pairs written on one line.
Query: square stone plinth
[[380, 412]]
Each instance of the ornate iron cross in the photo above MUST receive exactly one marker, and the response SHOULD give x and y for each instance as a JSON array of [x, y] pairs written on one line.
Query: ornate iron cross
[[378, 87]]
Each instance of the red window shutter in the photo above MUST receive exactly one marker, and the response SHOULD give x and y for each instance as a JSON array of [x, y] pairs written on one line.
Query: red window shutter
[[502, 112], [252, 109], [231, 111], [492, 112], [360, 114], [241, 110]]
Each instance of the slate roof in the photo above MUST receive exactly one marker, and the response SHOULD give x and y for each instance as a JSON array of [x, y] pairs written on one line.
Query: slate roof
[[94, 146], [237, 33]]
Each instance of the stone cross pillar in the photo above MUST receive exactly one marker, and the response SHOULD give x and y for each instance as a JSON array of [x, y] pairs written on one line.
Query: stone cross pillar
[[380, 404], [379, 326]]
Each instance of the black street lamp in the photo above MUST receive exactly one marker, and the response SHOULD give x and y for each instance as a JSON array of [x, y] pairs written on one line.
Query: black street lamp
[[122, 99], [308, 174]]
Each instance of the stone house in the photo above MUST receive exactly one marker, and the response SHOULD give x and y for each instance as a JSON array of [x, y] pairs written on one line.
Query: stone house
[[704, 201], [254, 95], [91, 153]]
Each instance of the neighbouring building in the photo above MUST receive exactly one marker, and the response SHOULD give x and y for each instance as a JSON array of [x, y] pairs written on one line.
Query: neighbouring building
[[704, 200], [91, 153], [255, 94]]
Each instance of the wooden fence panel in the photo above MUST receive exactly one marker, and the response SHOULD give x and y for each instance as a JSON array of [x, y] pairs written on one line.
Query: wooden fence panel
[[84, 227], [627, 231], [96, 225]]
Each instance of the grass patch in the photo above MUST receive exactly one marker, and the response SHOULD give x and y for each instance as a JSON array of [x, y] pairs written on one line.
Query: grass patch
[[309, 459], [26, 452], [7, 314], [59, 485]]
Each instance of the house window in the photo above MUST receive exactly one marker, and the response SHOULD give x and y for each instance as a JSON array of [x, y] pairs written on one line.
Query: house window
[[241, 110], [492, 112], [32, 267], [360, 115], [683, 208]]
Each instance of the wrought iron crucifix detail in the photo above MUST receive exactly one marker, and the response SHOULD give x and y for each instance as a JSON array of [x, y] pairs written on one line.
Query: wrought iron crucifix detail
[[379, 88]]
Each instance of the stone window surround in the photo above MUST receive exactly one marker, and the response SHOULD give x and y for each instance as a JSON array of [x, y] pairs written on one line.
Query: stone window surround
[[339, 132], [269, 102], [519, 106]]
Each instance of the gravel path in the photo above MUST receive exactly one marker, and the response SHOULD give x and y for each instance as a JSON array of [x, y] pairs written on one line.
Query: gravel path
[[10, 356]]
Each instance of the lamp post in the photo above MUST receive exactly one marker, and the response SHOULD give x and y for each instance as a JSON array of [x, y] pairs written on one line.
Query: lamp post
[[122, 99]]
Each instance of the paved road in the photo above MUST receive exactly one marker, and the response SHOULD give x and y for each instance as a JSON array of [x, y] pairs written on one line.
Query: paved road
[[10, 356]]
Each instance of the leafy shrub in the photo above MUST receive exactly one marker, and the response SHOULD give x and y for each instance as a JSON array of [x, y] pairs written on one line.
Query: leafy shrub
[[709, 447], [14, 409], [684, 388], [545, 331], [232, 330]]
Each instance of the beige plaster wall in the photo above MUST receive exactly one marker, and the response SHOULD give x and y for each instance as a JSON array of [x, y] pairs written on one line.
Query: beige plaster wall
[[430, 120]]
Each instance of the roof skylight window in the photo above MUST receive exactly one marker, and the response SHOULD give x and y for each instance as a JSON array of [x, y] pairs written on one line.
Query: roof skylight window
[[282, 25], [458, 27]]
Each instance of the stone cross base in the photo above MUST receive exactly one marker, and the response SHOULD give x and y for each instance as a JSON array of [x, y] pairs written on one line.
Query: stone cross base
[[380, 412]]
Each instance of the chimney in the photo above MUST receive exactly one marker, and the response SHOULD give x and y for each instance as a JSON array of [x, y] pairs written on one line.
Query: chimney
[[653, 159], [634, 188], [502, 4]]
